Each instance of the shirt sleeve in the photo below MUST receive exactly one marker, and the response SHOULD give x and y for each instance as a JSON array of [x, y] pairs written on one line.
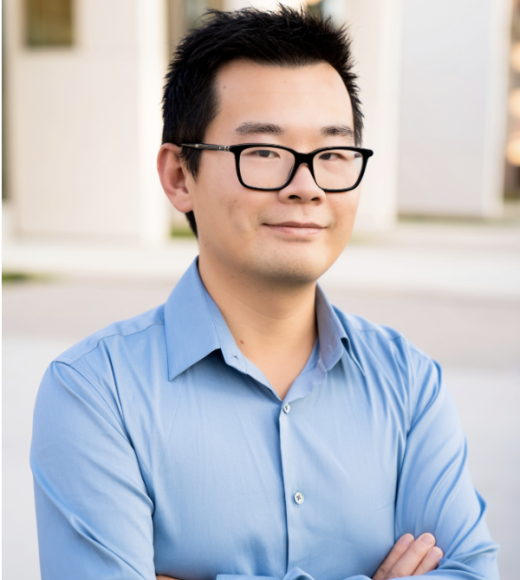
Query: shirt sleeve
[[435, 493], [93, 512]]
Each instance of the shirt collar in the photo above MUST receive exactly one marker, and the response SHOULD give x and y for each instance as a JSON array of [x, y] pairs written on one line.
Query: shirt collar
[[195, 327], [190, 332], [332, 334]]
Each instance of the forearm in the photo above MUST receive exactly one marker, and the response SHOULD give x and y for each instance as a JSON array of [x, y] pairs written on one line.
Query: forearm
[[409, 558]]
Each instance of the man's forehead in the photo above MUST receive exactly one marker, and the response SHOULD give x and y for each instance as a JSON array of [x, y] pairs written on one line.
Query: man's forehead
[[257, 98]]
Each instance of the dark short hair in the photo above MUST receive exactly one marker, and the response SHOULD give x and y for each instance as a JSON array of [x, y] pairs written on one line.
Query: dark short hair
[[284, 37]]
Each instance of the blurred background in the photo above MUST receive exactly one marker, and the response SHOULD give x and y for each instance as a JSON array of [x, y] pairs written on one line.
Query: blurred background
[[88, 236]]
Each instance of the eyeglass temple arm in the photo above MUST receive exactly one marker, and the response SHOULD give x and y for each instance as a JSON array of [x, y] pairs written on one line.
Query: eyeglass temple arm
[[203, 146]]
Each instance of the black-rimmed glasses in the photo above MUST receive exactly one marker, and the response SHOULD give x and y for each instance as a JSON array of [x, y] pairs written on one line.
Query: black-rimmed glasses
[[272, 167]]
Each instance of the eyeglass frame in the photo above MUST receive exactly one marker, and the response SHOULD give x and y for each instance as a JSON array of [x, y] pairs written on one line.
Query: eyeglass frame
[[300, 158]]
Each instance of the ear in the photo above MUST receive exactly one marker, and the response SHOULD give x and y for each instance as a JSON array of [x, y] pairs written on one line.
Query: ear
[[174, 176]]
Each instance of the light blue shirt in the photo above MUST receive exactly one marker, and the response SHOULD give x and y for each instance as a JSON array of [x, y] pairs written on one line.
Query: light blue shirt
[[159, 448]]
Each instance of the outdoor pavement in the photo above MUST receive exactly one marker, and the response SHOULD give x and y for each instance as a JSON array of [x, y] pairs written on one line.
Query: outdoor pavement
[[453, 289]]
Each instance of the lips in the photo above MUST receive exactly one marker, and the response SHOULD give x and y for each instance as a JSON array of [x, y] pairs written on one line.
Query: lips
[[302, 225], [296, 230]]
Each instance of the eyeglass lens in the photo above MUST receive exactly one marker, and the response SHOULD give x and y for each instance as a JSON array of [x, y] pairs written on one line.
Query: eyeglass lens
[[269, 168]]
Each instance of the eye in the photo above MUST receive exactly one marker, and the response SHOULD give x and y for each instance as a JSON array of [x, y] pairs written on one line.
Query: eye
[[330, 156], [261, 153], [326, 156], [340, 155], [264, 153]]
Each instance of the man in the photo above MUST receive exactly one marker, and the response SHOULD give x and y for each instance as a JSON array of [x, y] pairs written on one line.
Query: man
[[247, 427]]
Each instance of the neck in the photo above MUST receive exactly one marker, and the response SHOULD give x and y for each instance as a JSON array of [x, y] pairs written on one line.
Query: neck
[[273, 325]]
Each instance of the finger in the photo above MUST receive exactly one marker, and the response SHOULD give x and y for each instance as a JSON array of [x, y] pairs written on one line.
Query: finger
[[412, 558], [400, 547], [161, 577], [429, 562]]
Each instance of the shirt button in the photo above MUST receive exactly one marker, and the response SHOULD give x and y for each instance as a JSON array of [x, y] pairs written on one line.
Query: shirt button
[[286, 408], [298, 497]]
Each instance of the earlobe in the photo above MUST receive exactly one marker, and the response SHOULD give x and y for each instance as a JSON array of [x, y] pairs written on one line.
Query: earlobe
[[173, 175]]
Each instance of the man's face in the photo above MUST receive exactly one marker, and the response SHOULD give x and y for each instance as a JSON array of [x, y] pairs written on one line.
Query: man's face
[[293, 235]]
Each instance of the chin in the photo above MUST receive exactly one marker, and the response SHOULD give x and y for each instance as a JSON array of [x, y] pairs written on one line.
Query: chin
[[295, 272]]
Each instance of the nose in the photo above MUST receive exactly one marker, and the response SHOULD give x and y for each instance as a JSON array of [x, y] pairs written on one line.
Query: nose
[[302, 189]]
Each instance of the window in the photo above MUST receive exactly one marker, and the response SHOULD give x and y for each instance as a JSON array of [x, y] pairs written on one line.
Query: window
[[48, 23]]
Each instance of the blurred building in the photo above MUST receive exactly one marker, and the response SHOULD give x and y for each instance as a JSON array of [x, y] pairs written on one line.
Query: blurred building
[[82, 122], [512, 173]]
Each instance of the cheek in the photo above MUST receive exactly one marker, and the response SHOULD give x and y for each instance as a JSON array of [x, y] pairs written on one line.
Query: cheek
[[222, 204], [212, 187], [344, 210], [232, 206]]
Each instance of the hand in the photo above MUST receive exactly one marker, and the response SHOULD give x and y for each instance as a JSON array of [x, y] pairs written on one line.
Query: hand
[[410, 558], [161, 577]]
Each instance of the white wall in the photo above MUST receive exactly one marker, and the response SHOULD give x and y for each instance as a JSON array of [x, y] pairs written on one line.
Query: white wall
[[84, 124], [454, 83]]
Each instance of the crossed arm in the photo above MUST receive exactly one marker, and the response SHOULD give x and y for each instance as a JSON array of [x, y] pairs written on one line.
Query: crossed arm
[[95, 516], [408, 557]]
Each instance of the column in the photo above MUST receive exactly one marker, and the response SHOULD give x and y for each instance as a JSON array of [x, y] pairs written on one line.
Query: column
[[85, 123], [455, 73]]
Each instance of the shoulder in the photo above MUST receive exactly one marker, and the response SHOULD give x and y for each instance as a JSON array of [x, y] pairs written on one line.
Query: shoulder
[[394, 367], [367, 334], [125, 332], [102, 371], [385, 354]]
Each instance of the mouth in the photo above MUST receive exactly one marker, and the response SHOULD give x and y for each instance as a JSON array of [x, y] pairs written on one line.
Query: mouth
[[297, 229]]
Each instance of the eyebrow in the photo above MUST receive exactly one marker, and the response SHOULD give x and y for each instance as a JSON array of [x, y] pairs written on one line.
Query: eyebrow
[[267, 128], [338, 130], [250, 127]]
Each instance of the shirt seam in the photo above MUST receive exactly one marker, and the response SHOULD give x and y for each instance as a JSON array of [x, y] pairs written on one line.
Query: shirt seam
[[411, 347], [70, 362], [412, 387], [412, 378]]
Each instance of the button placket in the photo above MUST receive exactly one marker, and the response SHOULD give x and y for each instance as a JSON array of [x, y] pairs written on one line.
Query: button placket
[[293, 477]]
